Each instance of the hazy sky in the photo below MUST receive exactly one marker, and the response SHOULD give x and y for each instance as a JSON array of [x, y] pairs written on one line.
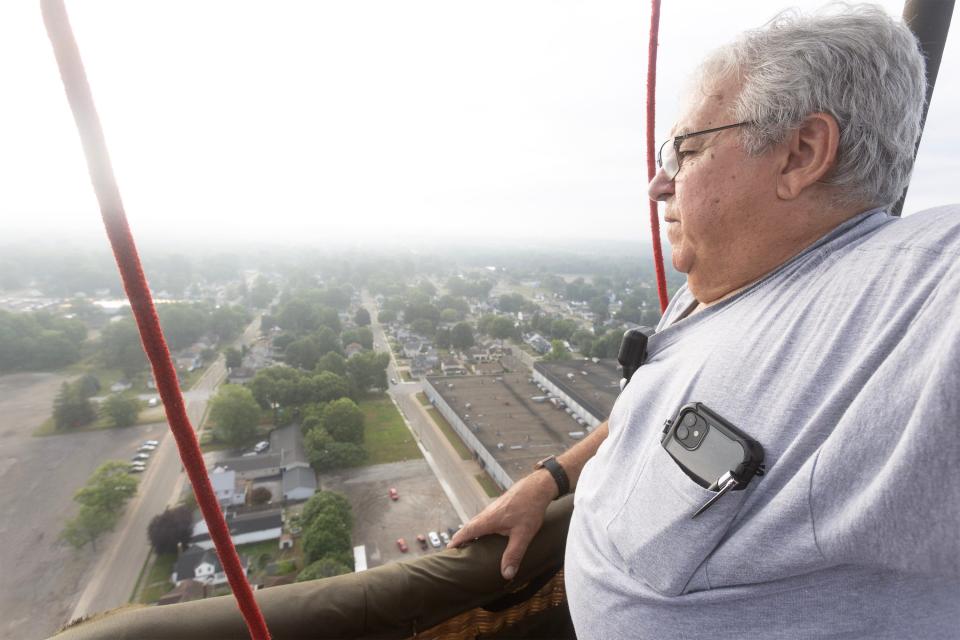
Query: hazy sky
[[299, 121]]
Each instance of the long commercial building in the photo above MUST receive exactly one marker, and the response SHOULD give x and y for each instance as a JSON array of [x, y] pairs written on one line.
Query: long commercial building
[[586, 387], [505, 420]]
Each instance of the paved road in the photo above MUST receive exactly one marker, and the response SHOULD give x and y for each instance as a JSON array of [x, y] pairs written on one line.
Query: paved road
[[115, 574], [455, 475]]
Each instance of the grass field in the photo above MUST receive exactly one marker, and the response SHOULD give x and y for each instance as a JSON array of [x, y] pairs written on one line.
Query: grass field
[[452, 436], [386, 437], [146, 416], [405, 375], [424, 400], [157, 580], [489, 486]]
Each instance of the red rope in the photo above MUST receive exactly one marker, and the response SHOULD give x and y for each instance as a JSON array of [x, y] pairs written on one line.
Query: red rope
[[651, 156], [125, 251]]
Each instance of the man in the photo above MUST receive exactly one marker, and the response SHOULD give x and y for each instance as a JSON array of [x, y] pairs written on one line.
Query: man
[[817, 324]]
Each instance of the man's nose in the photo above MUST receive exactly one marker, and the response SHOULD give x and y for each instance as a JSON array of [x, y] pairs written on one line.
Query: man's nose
[[661, 187]]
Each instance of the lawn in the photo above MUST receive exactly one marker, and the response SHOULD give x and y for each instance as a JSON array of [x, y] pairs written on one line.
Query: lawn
[[147, 415], [157, 581], [422, 397], [386, 437], [452, 436], [405, 375], [489, 486]]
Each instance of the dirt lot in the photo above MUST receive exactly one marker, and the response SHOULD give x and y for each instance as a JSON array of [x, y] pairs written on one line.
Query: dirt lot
[[38, 477], [379, 521]]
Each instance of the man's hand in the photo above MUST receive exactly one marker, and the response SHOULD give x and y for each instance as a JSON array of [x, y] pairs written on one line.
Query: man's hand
[[517, 514]]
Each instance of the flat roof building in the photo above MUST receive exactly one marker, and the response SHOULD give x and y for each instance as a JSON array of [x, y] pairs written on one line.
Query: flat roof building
[[506, 421], [588, 388]]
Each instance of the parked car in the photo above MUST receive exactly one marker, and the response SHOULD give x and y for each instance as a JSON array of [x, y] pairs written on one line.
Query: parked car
[[422, 541], [402, 545], [137, 467], [393, 494], [445, 537], [393, 381], [155, 443], [153, 402], [261, 446], [146, 447], [141, 456], [434, 539]]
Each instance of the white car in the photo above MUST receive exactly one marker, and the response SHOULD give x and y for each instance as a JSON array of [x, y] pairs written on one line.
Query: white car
[[152, 442], [434, 539], [153, 402], [143, 457], [445, 537], [261, 446], [137, 468], [146, 447]]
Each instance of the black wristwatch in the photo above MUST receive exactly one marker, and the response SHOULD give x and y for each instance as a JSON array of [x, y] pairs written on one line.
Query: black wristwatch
[[559, 475]]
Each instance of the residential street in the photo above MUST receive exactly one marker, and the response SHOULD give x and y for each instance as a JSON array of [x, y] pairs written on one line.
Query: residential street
[[454, 474], [114, 576]]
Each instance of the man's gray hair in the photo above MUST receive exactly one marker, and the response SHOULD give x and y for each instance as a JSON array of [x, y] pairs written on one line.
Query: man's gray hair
[[854, 62]]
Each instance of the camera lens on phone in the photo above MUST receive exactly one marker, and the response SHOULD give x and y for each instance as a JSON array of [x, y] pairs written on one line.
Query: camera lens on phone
[[690, 419], [682, 432]]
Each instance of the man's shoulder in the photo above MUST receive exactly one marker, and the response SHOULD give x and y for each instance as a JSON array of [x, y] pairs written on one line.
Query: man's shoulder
[[936, 229]]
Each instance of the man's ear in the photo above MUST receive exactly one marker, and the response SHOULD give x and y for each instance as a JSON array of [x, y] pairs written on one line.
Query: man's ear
[[811, 152]]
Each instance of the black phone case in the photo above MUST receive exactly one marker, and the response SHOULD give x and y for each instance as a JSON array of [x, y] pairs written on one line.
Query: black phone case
[[724, 448]]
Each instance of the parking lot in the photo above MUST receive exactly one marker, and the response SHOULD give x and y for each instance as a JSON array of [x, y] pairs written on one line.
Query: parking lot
[[378, 521]]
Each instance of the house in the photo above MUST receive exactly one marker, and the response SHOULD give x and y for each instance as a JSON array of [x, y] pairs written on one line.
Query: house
[[245, 528], [121, 386], [287, 442], [540, 344], [224, 483], [299, 483], [186, 591], [353, 349], [453, 367], [253, 467], [286, 541], [202, 565]]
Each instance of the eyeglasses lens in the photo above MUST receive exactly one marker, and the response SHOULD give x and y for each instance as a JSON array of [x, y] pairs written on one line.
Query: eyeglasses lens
[[668, 159]]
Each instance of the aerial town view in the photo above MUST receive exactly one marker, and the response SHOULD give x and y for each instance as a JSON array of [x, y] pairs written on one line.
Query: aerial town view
[[541, 319]]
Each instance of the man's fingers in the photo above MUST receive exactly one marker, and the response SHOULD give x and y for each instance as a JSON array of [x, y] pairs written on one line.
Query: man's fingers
[[517, 545], [467, 533]]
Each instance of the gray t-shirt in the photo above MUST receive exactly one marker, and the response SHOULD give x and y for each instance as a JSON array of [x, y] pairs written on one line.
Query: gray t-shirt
[[845, 364]]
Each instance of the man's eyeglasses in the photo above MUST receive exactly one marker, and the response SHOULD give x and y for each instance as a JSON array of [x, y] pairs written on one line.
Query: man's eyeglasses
[[668, 157]]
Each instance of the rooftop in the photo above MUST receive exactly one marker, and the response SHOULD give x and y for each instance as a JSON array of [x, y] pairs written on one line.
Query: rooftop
[[594, 385], [299, 477], [502, 412], [288, 442], [251, 463]]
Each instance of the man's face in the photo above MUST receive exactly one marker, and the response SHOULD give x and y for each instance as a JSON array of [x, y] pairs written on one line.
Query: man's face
[[718, 198]]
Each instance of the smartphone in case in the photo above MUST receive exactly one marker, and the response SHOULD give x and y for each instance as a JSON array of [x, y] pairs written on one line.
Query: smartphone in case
[[708, 448]]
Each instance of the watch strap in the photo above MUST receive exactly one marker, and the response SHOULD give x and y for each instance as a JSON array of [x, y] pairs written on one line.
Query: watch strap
[[559, 475]]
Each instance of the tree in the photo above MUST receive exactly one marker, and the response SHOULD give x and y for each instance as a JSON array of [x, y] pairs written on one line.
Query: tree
[[499, 327], [462, 336], [262, 293], [109, 488], [234, 358], [362, 317], [326, 454], [325, 567], [368, 370], [170, 529], [558, 351], [361, 335], [235, 414], [443, 338], [327, 340], [326, 535], [303, 353], [326, 386], [326, 501], [386, 316], [582, 339], [182, 324], [423, 327], [332, 362], [600, 307], [71, 409], [88, 385], [121, 410], [86, 527], [260, 495], [227, 322], [120, 347], [343, 420]]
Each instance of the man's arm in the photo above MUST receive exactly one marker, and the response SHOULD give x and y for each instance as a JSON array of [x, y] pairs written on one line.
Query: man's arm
[[518, 513]]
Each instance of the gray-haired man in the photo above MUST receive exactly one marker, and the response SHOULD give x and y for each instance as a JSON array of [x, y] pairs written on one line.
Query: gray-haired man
[[817, 324]]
